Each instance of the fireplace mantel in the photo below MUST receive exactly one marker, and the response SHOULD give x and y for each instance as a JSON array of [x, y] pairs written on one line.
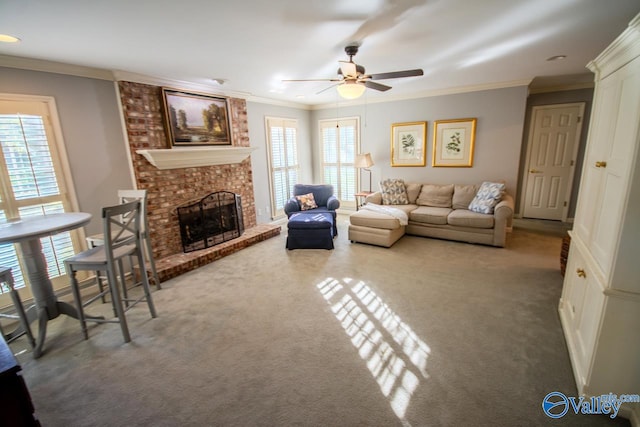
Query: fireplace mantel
[[189, 157]]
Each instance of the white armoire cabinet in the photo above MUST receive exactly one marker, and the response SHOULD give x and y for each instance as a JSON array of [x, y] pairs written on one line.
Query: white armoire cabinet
[[600, 303]]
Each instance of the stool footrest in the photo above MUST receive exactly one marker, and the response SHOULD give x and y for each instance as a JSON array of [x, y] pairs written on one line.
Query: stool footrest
[[313, 230]]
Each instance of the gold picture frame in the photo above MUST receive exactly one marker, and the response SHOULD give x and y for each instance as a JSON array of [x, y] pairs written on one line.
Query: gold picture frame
[[196, 118], [453, 143], [408, 144]]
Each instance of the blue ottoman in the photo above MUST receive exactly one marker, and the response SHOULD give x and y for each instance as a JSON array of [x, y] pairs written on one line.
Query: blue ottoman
[[310, 231]]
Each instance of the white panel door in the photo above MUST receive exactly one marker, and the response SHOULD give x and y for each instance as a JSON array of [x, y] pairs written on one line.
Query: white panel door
[[553, 144], [618, 152], [603, 119]]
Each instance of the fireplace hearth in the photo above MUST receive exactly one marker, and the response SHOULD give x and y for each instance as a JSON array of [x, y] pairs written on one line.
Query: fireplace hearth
[[207, 222]]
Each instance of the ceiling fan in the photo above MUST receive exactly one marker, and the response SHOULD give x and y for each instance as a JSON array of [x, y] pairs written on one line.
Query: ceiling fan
[[352, 79]]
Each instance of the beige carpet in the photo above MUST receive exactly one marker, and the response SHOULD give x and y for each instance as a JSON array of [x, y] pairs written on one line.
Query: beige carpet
[[426, 333]]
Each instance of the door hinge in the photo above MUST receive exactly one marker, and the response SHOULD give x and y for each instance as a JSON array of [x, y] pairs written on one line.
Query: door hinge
[[565, 204], [572, 163], [579, 119]]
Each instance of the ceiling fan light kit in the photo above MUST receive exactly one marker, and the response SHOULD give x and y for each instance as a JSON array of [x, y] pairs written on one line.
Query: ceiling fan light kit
[[350, 90]]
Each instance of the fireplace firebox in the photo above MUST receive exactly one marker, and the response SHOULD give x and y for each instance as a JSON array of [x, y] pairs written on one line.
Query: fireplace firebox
[[207, 222]]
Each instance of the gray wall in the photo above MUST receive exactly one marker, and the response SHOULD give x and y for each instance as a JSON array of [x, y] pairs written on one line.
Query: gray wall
[[92, 131], [500, 115], [551, 98]]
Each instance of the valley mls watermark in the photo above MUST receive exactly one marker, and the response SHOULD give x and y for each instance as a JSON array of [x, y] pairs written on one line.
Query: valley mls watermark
[[556, 404]]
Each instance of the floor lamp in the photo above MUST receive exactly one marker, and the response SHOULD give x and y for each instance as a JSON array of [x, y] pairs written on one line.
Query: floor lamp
[[364, 161]]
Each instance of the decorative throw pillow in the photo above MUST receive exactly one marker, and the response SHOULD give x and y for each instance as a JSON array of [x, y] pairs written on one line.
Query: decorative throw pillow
[[487, 197], [434, 195], [394, 192], [307, 201]]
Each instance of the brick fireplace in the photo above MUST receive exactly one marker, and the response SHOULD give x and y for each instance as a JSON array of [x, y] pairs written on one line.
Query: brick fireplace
[[167, 189]]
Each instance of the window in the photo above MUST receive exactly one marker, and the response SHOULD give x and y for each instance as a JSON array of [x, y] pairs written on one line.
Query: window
[[340, 140], [283, 161], [32, 182]]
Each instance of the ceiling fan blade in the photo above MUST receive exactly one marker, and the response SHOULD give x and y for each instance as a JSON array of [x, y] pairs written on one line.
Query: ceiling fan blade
[[376, 86], [348, 69], [397, 74], [312, 80]]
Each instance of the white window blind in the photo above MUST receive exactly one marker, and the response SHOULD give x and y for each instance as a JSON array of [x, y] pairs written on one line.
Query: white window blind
[[32, 183], [340, 140], [283, 161]]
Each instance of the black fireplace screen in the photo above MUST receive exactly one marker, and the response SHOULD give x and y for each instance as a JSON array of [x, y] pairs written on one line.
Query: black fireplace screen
[[211, 220]]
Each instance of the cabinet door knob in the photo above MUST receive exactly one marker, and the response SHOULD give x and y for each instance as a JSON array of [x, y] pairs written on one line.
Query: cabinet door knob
[[580, 272], [601, 164]]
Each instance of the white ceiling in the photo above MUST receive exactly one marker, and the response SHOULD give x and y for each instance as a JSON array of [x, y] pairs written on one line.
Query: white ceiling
[[254, 44]]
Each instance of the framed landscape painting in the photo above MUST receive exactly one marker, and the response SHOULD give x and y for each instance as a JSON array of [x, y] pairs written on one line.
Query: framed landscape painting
[[196, 119], [453, 142], [408, 144]]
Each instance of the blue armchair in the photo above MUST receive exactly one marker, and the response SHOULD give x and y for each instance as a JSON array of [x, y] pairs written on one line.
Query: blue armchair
[[323, 195]]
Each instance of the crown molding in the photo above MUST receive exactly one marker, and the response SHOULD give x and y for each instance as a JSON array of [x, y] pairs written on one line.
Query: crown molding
[[562, 88], [116, 75], [54, 67], [177, 84], [624, 49], [430, 93], [279, 103], [119, 75]]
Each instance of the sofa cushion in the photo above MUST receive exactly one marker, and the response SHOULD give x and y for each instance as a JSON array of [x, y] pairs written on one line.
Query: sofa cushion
[[406, 208], [307, 201], [438, 196], [467, 218], [365, 218], [487, 197], [430, 215], [394, 192], [413, 191], [375, 198], [463, 195], [310, 221]]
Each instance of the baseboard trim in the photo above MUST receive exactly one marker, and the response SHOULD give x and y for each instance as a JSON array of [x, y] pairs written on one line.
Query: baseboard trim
[[627, 410]]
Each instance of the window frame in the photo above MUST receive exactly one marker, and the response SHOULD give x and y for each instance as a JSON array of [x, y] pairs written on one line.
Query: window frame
[[68, 196], [276, 212], [335, 122]]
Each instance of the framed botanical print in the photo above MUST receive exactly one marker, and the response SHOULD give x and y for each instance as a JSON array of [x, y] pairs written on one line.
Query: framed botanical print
[[453, 142], [408, 144]]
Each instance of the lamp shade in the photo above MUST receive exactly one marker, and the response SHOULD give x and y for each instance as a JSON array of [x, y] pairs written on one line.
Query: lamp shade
[[351, 90], [363, 160]]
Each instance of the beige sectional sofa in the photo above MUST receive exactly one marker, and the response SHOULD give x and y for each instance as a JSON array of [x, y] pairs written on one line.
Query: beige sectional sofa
[[439, 211]]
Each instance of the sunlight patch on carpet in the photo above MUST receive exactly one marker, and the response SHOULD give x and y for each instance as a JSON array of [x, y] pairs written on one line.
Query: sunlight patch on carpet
[[393, 353]]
